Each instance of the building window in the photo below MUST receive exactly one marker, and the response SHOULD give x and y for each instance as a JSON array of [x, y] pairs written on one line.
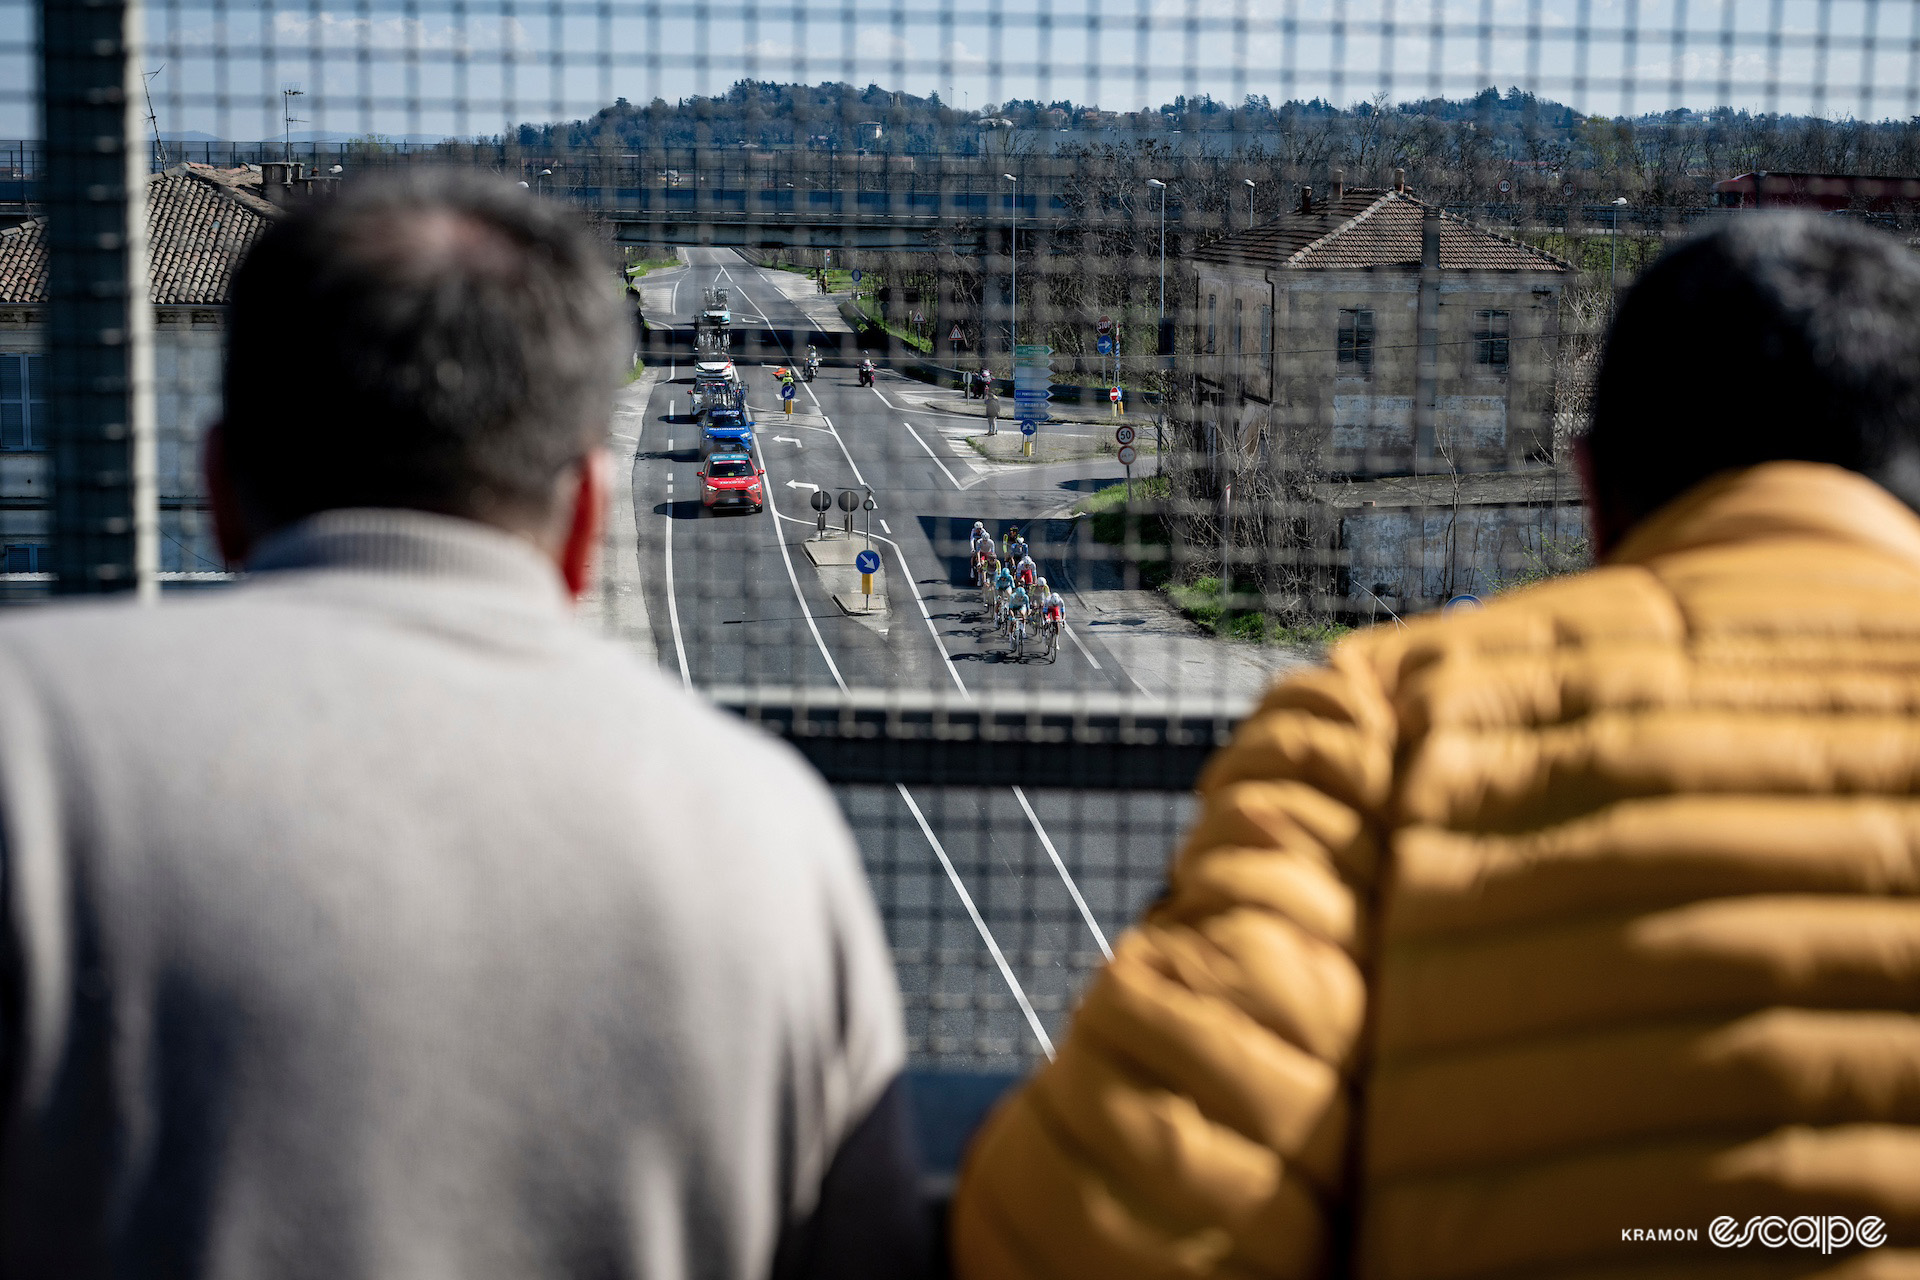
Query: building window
[[1266, 331], [1239, 344], [1491, 345], [1356, 341], [23, 404], [1212, 303], [23, 557]]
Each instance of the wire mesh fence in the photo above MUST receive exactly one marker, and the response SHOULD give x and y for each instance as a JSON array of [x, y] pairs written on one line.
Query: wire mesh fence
[[1233, 325]]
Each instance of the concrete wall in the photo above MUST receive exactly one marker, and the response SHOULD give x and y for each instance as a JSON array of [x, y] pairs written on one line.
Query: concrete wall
[[1417, 556]]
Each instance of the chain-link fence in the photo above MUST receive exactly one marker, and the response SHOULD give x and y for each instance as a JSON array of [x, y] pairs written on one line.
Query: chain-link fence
[[1235, 326]]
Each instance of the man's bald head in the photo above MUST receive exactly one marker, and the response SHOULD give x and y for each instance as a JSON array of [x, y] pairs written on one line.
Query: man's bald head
[[438, 340]]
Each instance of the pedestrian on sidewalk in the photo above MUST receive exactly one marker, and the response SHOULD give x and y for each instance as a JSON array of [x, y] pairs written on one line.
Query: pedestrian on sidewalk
[[1507, 936], [992, 405], [371, 918]]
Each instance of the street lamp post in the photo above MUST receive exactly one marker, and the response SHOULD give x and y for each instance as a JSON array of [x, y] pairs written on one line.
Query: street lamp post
[[1249, 182], [1161, 187], [1613, 246], [1016, 262]]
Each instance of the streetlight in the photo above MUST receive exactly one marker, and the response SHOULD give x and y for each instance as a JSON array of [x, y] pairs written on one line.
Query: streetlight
[[1016, 262], [1249, 182], [1162, 187], [1613, 245]]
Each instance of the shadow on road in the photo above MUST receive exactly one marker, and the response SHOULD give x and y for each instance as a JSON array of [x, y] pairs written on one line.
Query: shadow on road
[[685, 509]]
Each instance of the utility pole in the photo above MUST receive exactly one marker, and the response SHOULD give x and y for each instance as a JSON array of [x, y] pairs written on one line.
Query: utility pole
[[1249, 182]]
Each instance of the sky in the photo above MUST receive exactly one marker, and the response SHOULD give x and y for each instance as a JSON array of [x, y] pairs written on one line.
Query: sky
[[474, 67]]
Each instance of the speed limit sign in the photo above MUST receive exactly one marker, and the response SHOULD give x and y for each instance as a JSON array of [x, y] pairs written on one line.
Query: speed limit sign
[[1123, 434], [1127, 455]]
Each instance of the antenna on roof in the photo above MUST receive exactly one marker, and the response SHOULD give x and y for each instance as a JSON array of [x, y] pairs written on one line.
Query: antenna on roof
[[146, 83]]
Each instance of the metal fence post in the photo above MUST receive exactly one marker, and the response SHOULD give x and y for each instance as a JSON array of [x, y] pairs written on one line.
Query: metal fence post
[[99, 348]]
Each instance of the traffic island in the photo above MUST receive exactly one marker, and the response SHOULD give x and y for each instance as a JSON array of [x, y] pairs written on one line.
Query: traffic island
[[837, 559], [1053, 442]]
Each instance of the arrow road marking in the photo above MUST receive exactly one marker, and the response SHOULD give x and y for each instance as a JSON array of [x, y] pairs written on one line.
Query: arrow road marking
[[787, 440], [802, 484]]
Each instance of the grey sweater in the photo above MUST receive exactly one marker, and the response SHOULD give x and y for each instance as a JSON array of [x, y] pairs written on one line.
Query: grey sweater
[[372, 919]]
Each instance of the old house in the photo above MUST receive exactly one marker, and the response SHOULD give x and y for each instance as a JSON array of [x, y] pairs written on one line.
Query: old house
[[1369, 336], [200, 222]]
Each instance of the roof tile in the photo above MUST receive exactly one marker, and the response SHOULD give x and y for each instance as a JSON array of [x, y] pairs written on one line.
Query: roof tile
[[200, 223]]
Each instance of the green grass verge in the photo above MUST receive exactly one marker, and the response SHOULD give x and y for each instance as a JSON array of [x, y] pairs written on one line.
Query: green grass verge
[[637, 269], [1202, 602]]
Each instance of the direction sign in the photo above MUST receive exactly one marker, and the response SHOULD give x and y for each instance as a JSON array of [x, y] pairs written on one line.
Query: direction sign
[[1027, 427], [1127, 455], [821, 500], [786, 391], [1123, 434], [849, 500], [855, 275], [1106, 324], [867, 561], [1103, 345]]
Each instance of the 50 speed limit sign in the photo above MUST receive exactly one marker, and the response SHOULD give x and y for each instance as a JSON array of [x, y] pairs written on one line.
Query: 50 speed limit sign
[[1123, 434]]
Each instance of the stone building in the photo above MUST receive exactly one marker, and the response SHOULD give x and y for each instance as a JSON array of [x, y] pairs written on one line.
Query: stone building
[[200, 222], [1370, 335]]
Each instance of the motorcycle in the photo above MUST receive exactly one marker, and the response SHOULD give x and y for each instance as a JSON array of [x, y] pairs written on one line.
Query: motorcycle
[[812, 365], [866, 375]]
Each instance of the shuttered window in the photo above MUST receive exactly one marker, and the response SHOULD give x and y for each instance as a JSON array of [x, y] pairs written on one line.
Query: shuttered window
[[23, 405]]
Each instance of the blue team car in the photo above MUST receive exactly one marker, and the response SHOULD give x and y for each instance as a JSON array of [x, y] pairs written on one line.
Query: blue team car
[[727, 431]]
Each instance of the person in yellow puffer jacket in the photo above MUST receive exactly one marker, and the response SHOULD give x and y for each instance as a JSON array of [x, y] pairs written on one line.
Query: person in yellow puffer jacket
[[1574, 937]]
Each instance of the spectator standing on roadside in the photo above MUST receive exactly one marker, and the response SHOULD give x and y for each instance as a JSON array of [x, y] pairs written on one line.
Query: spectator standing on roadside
[[992, 404], [1508, 936], [370, 918]]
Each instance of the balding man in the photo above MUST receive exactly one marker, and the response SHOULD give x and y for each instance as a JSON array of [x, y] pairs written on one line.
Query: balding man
[[370, 919]]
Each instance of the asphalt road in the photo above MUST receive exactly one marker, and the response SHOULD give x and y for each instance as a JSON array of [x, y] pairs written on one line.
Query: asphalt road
[[998, 902]]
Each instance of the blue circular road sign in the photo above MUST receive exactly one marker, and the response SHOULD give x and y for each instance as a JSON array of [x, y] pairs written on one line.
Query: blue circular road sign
[[786, 391], [855, 275], [1027, 428], [867, 561]]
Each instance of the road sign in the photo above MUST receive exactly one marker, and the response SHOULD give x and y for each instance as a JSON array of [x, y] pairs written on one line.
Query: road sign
[[1505, 186], [1460, 603], [955, 335], [867, 561], [821, 499], [786, 391], [1116, 395], [849, 500], [1106, 324], [1123, 434], [1103, 345], [1027, 427], [1127, 455], [855, 275], [870, 504]]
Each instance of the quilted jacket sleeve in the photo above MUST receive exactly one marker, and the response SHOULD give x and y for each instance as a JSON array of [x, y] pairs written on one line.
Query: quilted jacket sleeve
[[1195, 1121]]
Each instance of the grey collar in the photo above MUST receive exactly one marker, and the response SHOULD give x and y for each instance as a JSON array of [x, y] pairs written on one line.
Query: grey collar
[[403, 543]]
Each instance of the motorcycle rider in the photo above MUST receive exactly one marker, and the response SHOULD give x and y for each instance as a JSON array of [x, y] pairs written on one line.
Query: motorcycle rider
[[813, 362], [866, 372]]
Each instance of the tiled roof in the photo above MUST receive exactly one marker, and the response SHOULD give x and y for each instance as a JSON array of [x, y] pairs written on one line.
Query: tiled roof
[[200, 222], [1367, 229]]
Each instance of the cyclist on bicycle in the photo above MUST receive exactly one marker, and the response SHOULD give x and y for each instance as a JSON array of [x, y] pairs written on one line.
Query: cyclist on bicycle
[[1016, 606], [1052, 607], [1002, 586], [980, 544], [1008, 543], [1025, 571]]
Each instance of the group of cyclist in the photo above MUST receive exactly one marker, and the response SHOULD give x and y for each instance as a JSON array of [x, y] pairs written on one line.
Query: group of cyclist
[[1019, 600]]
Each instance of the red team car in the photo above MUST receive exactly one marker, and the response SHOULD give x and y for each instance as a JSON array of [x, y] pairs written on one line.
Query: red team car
[[732, 480]]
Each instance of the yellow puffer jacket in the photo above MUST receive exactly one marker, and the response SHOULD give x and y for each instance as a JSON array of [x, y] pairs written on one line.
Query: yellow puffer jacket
[[1505, 936]]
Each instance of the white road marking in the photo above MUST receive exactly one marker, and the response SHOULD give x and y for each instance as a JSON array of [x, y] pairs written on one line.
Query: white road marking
[[806, 610], [1083, 649], [883, 527], [1072, 888], [931, 454], [673, 603], [986, 934]]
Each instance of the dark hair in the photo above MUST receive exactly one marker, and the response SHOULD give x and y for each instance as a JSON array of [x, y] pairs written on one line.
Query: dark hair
[[439, 340], [1770, 337]]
